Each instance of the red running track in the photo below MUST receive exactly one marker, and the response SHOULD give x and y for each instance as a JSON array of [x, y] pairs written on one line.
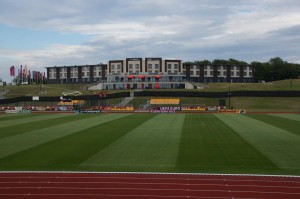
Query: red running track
[[34, 185]]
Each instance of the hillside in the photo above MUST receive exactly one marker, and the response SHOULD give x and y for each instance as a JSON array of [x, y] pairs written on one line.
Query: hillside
[[58, 89]]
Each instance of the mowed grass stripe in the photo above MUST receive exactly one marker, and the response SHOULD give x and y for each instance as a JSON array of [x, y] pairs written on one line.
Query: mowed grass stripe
[[295, 117], [209, 145], [25, 119], [68, 152], [38, 125], [280, 146], [6, 116], [17, 143], [151, 146], [283, 122]]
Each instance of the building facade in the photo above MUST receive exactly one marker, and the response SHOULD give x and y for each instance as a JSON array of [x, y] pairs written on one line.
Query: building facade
[[138, 73], [77, 74], [218, 73], [151, 72]]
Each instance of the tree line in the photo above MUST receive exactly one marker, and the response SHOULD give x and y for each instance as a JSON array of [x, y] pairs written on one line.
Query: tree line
[[274, 69]]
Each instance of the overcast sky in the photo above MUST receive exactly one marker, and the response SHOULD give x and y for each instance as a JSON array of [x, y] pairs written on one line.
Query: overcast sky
[[43, 33]]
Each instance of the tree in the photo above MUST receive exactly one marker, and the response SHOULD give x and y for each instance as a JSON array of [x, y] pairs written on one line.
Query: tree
[[203, 62], [220, 62], [277, 68], [262, 71]]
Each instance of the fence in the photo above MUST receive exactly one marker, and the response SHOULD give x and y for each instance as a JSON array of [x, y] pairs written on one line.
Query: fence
[[93, 100]]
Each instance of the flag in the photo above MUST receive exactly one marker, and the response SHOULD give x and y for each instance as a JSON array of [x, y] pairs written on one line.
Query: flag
[[25, 72], [11, 72], [21, 71]]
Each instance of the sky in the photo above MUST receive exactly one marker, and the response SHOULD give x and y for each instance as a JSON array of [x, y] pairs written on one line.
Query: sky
[[46, 33]]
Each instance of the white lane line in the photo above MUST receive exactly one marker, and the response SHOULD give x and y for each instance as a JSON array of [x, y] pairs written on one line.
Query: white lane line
[[154, 189], [150, 183], [150, 173], [152, 178], [113, 195]]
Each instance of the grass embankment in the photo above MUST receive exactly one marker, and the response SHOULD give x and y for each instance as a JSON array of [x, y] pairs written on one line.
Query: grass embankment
[[41, 90], [58, 89], [260, 104], [283, 85], [214, 143]]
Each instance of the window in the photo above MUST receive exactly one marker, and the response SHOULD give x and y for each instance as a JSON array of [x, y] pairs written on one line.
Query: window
[[137, 66], [205, 73], [63, 72], [211, 73], [119, 67], [85, 68], [52, 73], [169, 66], [197, 73], [156, 66], [205, 67], [130, 66], [112, 67], [175, 66], [149, 66]]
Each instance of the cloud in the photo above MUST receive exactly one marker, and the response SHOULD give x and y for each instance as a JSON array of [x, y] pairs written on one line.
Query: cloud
[[189, 30]]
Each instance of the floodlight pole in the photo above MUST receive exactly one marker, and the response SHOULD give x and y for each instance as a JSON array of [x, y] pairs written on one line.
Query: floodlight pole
[[229, 94]]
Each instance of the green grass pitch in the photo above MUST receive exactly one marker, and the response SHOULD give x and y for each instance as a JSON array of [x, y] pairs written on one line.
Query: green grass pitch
[[197, 143]]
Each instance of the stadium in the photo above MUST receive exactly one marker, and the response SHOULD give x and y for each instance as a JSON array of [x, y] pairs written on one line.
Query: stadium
[[151, 143]]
